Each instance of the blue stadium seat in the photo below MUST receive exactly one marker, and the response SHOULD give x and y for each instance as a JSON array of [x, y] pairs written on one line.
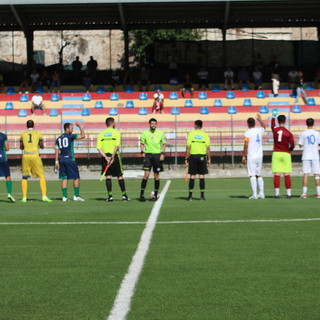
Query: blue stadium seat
[[113, 112], [114, 97], [202, 95], [86, 97], [173, 96], [204, 110], [22, 113], [175, 111], [261, 95], [143, 96], [311, 102], [85, 112], [143, 111], [215, 88], [54, 97], [129, 104], [217, 103], [232, 110], [40, 90], [98, 105], [54, 113], [309, 87], [10, 90], [101, 89], [247, 103], [264, 109], [129, 89], [157, 87], [24, 98], [9, 106], [245, 87], [296, 109], [188, 104], [230, 95]]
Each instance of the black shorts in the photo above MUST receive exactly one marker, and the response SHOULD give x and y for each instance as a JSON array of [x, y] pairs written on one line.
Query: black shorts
[[152, 160], [198, 164], [68, 169], [115, 170]]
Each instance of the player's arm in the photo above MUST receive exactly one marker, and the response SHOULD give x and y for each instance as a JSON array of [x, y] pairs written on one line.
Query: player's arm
[[163, 148], [245, 151], [6, 145], [142, 146], [187, 155], [291, 141], [273, 123], [56, 156], [82, 133], [262, 124], [208, 155]]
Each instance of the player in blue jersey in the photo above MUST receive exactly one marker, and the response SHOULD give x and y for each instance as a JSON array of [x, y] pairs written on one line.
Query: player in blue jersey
[[65, 162], [4, 167]]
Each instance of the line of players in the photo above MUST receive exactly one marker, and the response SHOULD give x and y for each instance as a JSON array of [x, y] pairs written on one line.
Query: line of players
[[152, 146]]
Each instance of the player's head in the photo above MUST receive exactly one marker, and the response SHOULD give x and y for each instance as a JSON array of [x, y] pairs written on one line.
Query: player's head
[[282, 119], [30, 124], [310, 122], [251, 122], [110, 122], [153, 124], [198, 124], [68, 127]]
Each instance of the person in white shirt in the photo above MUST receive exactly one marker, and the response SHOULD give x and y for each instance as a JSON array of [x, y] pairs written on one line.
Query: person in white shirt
[[37, 103], [158, 101], [252, 156], [310, 140], [228, 78]]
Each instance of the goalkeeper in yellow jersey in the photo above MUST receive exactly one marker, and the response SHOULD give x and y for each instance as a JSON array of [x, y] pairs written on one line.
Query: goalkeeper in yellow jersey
[[30, 141]]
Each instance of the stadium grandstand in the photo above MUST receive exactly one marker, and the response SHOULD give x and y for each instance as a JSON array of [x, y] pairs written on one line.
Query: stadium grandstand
[[224, 113]]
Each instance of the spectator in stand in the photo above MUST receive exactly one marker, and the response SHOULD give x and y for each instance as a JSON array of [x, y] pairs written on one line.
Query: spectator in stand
[[92, 66], [158, 103], [228, 78], [203, 75], [115, 79], [143, 79], [292, 78], [243, 77], [55, 81], [34, 79], [300, 87], [45, 80], [77, 69], [317, 77], [37, 103], [86, 80], [1, 82], [257, 79], [187, 86], [275, 79], [24, 82]]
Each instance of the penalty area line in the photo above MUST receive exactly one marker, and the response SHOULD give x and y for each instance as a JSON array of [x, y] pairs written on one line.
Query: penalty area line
[[122, 303]]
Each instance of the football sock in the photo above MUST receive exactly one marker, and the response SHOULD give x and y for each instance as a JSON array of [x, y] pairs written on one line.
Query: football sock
[[143, 186], [202, 185], [77, 191], [9, 186], [191, 185], [253, 182], [43, 186], [24, 186], [287, 181], [289, 192], [261, 185], [318, 189], [109, 186], [304, 190], [276, 182], [156, 187], [64, 192], [122, 186], [277, 191]]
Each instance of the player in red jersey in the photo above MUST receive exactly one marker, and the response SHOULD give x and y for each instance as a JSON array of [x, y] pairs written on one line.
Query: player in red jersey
[[283, 144]]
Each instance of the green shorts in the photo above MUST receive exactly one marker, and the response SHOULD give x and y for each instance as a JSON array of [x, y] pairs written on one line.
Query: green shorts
[[281, 162]]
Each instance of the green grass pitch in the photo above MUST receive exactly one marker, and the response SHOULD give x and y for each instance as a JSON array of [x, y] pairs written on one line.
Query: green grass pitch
[[197, 270]]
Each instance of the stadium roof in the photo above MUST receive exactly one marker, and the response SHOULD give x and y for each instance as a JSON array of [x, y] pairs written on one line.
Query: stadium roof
[[138, 14]]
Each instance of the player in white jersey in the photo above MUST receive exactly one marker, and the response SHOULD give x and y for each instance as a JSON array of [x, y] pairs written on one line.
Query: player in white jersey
[[310, 140], [252, 155]]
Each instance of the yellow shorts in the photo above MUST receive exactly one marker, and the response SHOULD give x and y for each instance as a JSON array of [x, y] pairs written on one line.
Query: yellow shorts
[[32, 165], [281, 162]]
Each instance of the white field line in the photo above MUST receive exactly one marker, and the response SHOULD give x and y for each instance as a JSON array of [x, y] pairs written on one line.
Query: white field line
[[122, 303], [159, 222]]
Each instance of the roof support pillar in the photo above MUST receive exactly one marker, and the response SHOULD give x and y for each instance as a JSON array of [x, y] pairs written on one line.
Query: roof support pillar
[[30, 53], [125, 36], [224, 34]]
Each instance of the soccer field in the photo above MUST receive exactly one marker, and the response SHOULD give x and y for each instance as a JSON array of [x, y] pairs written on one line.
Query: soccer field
[[224, 258]]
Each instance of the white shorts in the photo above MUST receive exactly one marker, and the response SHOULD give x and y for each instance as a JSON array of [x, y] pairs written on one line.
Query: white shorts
[[254, 167], [311, 166]]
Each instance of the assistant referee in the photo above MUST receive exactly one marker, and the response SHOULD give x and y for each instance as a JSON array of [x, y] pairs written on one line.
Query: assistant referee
[[198, 157]]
